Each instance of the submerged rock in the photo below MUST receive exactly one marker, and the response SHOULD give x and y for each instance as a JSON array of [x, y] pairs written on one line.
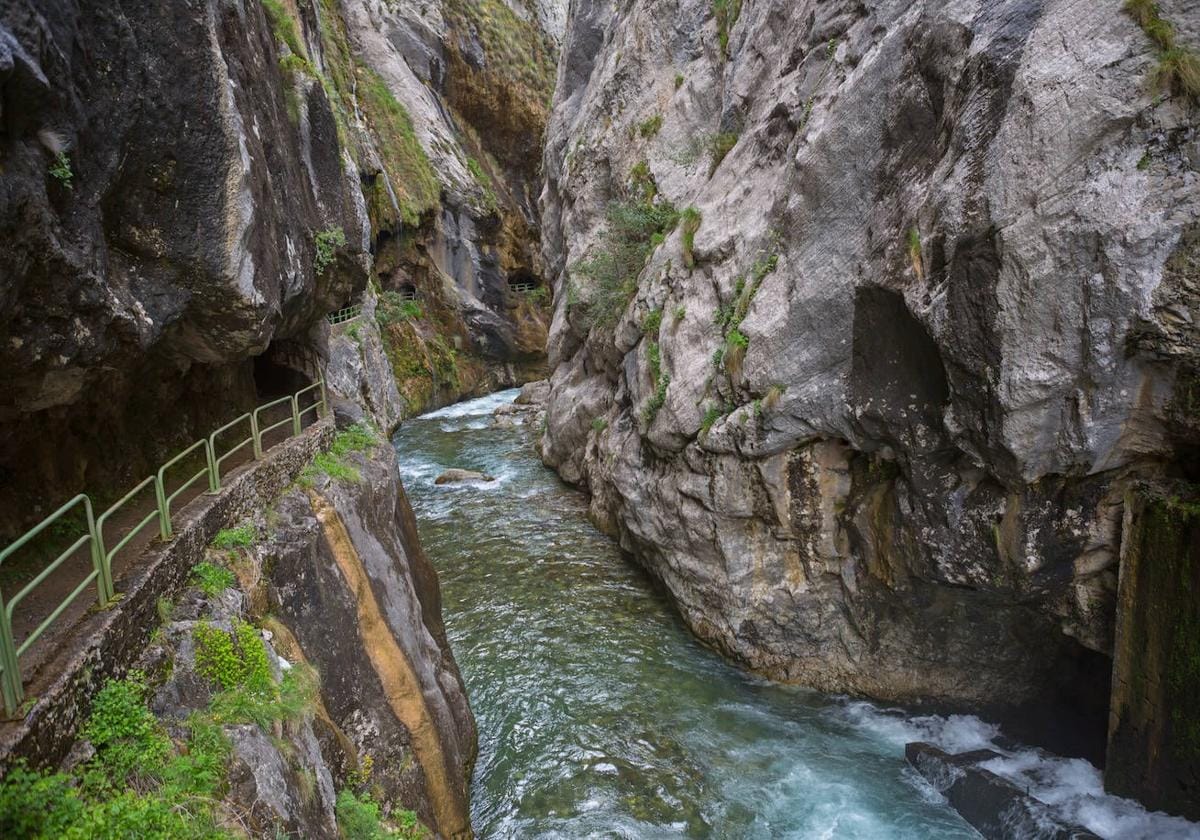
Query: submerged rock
[[457, 476], [997, 808]]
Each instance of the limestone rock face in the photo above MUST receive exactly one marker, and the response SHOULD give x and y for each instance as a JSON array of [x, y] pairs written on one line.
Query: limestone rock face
[[871, 409], [347, 577]]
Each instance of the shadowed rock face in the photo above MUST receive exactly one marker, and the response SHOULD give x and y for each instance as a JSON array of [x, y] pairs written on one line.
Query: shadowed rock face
[[959, 243], [205, 147], [135, 292]]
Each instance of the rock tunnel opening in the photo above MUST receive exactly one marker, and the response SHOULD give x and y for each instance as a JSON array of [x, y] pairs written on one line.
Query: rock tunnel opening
[[523, 282], [282, 370]]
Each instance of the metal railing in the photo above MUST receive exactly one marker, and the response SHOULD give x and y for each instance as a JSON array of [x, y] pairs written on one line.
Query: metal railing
[[344, 315], [101, 575]]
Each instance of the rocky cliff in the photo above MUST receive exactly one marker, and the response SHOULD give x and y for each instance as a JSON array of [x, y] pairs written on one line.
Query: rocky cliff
[[866, 316], [187, 190]]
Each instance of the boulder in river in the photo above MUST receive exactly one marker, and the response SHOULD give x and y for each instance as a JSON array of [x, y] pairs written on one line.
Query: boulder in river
[[997, 808], [458, 476]]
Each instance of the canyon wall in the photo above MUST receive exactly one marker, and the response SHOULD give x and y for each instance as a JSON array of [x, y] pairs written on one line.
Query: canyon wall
[[187, 191], [866, 316]]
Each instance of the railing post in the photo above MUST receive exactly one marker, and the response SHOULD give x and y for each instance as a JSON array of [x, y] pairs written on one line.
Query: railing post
[[254, 434], [214, 480], [10, 679], [324, 399], [104, 581], [164, 517], [295, 415]]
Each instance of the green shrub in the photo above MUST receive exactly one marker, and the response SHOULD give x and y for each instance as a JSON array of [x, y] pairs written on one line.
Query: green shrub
[[652, 322], [243, 536], [614, 266], [726, 13], [711, 415], [691, 220], [660, 380], [599, 424], [680, 313], [358, 438], [649, 128], [678, 81], [211, 578], [61, 169], [128, 739], [359, 819], [326, 243], [233, 659], [138, 784], [393, 309], [1178, 71]]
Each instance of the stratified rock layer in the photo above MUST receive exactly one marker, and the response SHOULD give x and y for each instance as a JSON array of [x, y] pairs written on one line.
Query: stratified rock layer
[[871, 409]]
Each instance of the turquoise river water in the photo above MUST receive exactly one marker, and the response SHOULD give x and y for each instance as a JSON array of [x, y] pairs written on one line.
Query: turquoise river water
[[600, 716]]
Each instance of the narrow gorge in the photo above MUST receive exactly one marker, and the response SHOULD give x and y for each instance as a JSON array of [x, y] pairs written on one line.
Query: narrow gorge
[[579, 418]]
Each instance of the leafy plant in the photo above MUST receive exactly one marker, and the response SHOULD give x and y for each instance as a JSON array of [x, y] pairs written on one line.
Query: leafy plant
[[326, 243], [359, 818], [243, 536], [661, 382], [736, 344], [599, 424], [678, 81], [233, 659], [211, 578], [614, 266], [652, 322], [358, 438], [680, 313], [711, 415], [61, 170], [393, 308]]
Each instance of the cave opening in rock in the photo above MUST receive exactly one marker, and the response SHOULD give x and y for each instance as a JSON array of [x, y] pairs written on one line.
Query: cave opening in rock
[[281, 371], [407, 291], [895, 365]]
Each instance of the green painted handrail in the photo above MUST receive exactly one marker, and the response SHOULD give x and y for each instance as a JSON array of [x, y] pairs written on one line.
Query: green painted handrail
[[11, 685], [344, 315], [253, 439], [158, 513]]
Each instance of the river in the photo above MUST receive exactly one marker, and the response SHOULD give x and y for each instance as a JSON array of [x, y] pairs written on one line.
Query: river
[[601, 716]]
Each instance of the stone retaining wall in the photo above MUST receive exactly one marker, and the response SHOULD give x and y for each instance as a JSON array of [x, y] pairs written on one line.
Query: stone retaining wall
[[108, 642]]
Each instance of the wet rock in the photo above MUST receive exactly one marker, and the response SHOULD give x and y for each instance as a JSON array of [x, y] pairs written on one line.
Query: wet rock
[[458, 476], [994, 806]]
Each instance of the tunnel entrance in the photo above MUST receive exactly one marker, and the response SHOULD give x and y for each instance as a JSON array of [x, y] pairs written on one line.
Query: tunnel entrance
[[273, 379], [407, 291], [523, 282]]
